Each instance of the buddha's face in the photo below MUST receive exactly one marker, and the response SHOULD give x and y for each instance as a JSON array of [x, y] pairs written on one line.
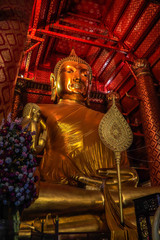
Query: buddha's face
[[73, 79]]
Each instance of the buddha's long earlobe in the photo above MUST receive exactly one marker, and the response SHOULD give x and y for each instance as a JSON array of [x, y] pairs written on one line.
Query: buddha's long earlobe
[[88, 95], [53, 87]]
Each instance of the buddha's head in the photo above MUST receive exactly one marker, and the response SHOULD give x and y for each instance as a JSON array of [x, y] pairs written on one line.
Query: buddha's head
[[71, 78]]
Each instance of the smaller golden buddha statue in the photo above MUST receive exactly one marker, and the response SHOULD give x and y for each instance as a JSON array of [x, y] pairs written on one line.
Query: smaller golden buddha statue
[[67, 133]]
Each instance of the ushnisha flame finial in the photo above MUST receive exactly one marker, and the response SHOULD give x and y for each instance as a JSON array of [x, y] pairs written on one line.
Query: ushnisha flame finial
[[73, 53]]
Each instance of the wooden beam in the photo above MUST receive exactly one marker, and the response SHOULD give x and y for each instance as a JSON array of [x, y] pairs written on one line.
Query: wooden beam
[[77, 39], [81, 32]]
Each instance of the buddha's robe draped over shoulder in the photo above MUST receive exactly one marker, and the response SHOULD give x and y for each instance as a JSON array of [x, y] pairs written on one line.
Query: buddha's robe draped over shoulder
[[73, 146]]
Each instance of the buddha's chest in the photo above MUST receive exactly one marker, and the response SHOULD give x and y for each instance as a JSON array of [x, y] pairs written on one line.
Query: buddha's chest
[[72, 128], [73, 132]]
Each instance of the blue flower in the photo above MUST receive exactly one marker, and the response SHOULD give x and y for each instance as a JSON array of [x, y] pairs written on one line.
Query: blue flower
[[31, 156], [1, 151], [11, 126], [9, 118], [17, 203], [24, 149], [27, 197], [32, 178], [20, 176], [21, 189], [8, 135], [5, 202], [24, 154], [26, 186], [27, 191], [17, 189], [10, 188], [18, 194], [16, 150], [11, 139], [30, 175], [8, 160], [16, 145], [21, 198], [22, 139]]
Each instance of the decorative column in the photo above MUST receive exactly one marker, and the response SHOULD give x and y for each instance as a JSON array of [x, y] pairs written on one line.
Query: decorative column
[[14, 20], [150, 113]]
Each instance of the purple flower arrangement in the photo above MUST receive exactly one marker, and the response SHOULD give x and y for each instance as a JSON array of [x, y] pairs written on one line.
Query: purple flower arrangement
[[17, 165]]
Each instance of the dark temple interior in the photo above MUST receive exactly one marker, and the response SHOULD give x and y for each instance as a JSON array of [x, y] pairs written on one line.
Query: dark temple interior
[[110, 35]]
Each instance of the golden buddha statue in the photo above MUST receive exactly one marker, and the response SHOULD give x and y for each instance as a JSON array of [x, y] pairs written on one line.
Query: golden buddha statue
[[75, 161]]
